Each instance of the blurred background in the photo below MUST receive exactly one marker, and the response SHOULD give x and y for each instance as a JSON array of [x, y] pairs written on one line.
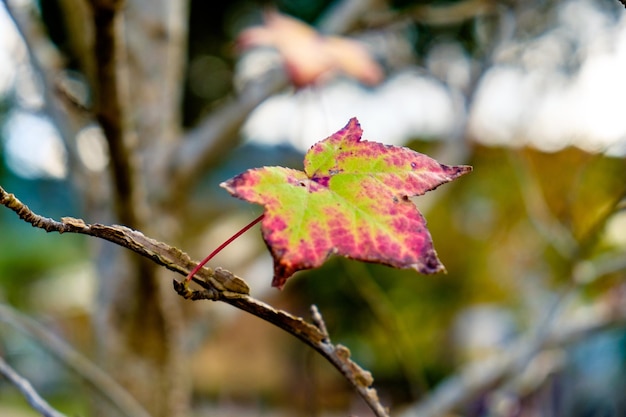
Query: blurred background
[[530, 318]]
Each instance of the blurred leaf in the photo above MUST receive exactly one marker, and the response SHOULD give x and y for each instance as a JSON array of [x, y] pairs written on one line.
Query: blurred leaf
[[309, 56]]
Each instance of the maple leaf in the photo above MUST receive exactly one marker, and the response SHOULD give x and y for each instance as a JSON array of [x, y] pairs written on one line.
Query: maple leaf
[[351, 200], [309, 56]]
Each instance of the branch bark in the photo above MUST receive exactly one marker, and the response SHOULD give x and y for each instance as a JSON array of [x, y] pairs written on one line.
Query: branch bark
[[217, 285]]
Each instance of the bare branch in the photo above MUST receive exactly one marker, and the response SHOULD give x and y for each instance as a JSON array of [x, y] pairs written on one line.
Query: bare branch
[[218, 285], [205, 145], [162, 254], [100, 381], [314, 335], [318, 320], [34, 399]]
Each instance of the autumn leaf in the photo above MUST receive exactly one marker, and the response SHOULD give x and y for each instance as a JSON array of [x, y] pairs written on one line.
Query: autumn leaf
[[310, 56], [351, 200]]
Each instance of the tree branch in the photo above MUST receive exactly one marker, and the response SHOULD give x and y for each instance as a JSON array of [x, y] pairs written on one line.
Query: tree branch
[[34, 399], [101, 382], [314, 335], [205, 145], [109, 54], [217, 285]]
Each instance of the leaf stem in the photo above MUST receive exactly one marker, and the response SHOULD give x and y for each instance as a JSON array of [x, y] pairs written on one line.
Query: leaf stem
[[222, 246]]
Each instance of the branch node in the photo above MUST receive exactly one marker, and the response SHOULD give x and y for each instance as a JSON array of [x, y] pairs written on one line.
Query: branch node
[[230, 281], [362, 377], [318, 321], [187, 293]]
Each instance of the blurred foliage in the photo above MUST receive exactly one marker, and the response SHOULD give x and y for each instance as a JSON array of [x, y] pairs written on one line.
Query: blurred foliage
[[399, 324], [28, 255]]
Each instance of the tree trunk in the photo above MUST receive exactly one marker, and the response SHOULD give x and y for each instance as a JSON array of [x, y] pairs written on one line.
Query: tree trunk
[[139, 52]]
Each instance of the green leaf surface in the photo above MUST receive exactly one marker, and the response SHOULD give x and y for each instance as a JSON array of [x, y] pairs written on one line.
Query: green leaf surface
[[351, 200]]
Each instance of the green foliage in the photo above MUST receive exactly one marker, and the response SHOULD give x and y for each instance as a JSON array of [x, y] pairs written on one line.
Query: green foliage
[[26, 258]]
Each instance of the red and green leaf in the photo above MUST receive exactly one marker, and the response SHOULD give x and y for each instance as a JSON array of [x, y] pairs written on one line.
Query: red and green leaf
[[351, 200]]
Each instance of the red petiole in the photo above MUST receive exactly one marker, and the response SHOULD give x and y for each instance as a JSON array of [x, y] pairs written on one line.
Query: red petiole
[[222, 246]]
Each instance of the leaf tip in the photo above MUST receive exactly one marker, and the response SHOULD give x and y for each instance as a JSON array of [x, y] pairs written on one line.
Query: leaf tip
[[351, 132], [279, 281], [456, 171], [430, 264], [283, 270]]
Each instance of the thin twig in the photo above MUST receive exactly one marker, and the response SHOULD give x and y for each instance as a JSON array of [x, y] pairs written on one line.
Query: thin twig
[[24, 386], [318, 320], [218, 285], [99, 380]]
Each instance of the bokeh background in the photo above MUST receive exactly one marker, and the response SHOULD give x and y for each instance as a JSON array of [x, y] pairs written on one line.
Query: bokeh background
[[530, 318]]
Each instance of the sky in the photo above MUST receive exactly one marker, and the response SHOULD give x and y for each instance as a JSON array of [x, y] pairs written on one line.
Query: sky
[[532, 95]]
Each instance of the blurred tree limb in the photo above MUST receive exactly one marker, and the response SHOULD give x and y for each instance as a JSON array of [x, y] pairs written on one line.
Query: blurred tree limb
[[204, 145], [34, 399], [95, 377], [498, 369], [218, 285], [135, 102]]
